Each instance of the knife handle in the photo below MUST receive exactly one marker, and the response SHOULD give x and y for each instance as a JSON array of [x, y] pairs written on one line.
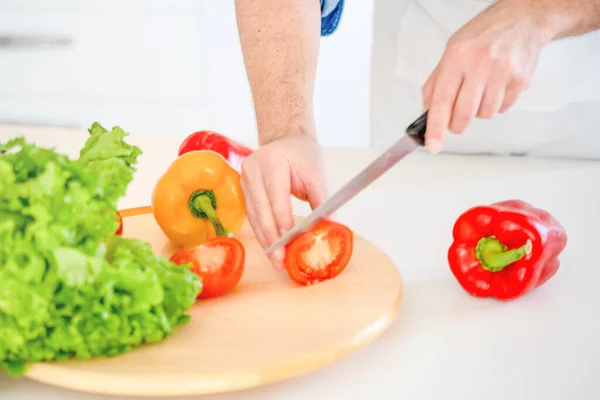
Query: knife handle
[[417, 129]]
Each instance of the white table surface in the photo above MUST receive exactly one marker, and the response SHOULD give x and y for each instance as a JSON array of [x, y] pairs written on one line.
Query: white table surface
[[443, 344]]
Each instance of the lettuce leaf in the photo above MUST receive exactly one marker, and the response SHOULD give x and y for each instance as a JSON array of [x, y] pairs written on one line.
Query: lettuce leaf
[[69, 288]]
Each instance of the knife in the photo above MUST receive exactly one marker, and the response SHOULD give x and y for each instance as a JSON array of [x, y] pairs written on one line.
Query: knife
[[414, 138]]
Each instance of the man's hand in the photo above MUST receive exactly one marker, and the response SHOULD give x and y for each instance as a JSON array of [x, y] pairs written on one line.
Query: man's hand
[[280, 43], [292, 164], [487, 64]]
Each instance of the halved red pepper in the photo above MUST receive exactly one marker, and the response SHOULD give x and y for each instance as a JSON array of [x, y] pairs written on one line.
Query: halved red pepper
[[231, 150], [505, 249]]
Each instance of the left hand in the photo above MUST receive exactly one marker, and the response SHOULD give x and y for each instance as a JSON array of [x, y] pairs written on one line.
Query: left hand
[[485, 67]]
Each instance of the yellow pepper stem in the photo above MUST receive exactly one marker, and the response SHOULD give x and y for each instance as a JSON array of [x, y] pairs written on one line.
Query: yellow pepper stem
[[203, 204]]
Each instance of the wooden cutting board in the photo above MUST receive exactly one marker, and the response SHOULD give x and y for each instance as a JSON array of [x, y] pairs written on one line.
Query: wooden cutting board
[[268, 329]]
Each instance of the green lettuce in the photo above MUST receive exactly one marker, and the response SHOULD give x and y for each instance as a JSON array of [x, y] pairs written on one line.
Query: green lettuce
[[70, 288]]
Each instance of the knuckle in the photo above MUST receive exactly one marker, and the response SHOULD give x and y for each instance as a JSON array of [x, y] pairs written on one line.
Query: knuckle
[[520, 82], [445, 100], [425, 90], [247, 165], [268, 159], [272, 163], [457, 48], [486, 54]]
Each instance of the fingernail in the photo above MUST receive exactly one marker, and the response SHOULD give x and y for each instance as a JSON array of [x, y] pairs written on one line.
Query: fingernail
[[279, 266], [277, 259], [434, 145]]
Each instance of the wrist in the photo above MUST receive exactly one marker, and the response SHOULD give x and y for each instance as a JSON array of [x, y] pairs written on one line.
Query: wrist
[[298, 124], [550, 20]]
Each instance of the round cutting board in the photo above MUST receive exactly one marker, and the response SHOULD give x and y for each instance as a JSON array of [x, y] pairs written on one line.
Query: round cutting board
[[267, 329]]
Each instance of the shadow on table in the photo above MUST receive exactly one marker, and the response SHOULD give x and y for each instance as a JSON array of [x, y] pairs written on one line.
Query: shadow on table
[[436, 303]]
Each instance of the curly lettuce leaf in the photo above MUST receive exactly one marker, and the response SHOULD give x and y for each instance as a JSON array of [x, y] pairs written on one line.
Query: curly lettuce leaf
[[106, 154], [69, 288]]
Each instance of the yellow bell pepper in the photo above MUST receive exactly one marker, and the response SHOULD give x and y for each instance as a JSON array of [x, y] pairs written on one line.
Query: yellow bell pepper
[[199, 197]]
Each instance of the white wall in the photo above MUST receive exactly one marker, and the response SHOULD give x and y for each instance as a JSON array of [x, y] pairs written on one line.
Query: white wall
[[163, 67]]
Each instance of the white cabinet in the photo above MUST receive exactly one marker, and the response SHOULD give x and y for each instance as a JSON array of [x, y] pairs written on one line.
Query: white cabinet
[[161, 67], [143, 66]]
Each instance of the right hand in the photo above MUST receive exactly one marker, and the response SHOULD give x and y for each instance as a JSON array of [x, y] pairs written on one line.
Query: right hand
[[291, 165]]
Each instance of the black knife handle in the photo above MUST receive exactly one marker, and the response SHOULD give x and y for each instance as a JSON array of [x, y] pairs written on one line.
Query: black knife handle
[[417, 129]]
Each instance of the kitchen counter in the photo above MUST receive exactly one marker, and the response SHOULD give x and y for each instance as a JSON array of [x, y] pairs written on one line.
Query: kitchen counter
[[443, 343]]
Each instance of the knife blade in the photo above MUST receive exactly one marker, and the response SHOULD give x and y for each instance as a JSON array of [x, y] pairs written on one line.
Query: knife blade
[[414, 138]]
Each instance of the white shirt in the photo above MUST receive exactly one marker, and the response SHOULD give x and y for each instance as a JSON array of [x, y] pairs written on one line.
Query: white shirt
[[559, 115]]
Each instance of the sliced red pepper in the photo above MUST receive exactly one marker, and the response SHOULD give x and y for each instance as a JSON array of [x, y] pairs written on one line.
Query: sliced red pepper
[[232, 151], [321, 253], [219, 262], [119, 231], [506, 249]]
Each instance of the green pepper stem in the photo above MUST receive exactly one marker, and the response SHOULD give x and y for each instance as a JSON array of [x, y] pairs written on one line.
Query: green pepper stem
[[203, 204], [494, 256]]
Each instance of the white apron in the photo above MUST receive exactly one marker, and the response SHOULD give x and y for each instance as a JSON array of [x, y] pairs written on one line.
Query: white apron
[[558, 116]]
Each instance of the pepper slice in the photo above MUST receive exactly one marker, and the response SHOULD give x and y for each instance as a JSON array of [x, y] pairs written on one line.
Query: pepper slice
[[232, 151], [219, 263], [199, 197], [319, 254], [506, 249]]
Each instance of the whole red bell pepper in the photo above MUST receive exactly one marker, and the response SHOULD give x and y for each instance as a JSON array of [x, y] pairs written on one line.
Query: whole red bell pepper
[[505, 249], [231, 150]]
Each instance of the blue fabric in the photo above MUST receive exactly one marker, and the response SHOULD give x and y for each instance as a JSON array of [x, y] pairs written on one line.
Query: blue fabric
[[331, 12]]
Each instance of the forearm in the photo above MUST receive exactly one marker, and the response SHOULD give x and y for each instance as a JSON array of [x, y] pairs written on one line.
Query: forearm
[[280, 43], [564, 18]]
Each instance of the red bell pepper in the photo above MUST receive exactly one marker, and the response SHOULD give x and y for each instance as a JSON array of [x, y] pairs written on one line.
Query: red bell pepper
[[231, 150], [506, 249]]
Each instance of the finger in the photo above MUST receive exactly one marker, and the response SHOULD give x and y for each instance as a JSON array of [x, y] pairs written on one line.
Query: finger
[[265, 219], [467, 102], [493, 96], [278, 188], [512, 93], [427, 89], [256, 217], [442, 103], [251, 213]]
